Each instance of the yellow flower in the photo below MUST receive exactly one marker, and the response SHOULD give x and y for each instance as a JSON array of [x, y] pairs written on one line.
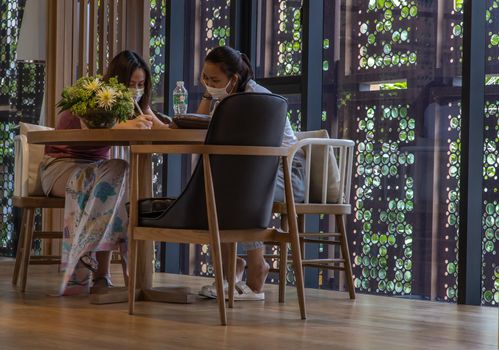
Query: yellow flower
[[106, 97], [92, 85]]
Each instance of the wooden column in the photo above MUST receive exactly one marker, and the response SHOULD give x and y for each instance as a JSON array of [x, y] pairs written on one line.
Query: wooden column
[[55, 57], [103, 15], [92, 37], [122, 26], [113, 27], [138, 32], [83, 38]]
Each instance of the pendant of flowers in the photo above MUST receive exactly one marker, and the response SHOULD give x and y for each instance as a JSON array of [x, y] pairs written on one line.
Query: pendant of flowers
[[98, 103]]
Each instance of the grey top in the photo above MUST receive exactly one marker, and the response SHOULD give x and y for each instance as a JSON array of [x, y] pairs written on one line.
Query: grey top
[[289, 137]]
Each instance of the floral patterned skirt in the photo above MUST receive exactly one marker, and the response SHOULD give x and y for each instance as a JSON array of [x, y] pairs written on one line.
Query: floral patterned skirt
[[95, 219]]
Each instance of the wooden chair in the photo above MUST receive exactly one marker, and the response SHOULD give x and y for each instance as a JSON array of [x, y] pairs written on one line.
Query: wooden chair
[[229, 196], [29, 197], [327, 191]]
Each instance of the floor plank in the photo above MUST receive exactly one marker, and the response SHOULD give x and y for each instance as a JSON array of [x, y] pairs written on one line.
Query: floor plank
[[37, 320]]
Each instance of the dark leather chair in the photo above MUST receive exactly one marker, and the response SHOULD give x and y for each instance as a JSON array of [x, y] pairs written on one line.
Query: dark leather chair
[[242, 184], [229, 195]]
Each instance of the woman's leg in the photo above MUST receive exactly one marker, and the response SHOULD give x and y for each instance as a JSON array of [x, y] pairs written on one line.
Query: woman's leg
[[104, 260], [59, 188], [94, 218], [240, 262], [258, 269], [297, 180]]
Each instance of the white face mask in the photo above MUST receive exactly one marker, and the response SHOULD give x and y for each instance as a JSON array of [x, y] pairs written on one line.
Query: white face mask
[[137, 93], [217, 93]]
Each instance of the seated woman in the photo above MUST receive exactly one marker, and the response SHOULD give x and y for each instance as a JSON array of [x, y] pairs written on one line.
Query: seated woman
[[227, 71], [95, 219]]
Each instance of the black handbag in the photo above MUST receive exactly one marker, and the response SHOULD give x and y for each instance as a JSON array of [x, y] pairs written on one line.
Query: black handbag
[[192, 121]]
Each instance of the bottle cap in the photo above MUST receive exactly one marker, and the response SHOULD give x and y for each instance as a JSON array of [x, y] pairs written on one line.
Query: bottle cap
[[180, 82]]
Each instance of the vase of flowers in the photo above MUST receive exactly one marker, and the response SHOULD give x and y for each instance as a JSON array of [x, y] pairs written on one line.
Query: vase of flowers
[[99, 104]]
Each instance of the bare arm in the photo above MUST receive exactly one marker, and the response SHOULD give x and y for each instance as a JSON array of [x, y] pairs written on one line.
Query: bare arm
[[156, 123], [204, 106], [141, 122]]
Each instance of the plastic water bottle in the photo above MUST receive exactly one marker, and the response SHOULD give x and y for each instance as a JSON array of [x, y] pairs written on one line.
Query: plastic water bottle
[[180, 99]]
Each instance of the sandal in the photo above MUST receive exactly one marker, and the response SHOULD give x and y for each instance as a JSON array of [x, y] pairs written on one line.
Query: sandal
[[89, 262], [101, 284], [246, 293], [75, 288]]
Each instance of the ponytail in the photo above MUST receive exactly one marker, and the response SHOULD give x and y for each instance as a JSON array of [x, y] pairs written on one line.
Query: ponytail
[[232, 62], [247, 73]]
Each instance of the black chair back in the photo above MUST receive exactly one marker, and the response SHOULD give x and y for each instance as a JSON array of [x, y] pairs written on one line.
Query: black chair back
[[244, 185]]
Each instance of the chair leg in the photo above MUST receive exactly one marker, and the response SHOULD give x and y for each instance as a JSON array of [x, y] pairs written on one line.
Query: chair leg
[[301, 229], [28, 242], [340, 221], [20, 249], [294, 238], [283, 271], [124, 266], [211, 209], [231, 274], [132, 280], [297, 265], [47, 247], [219, 281], [283, 261]]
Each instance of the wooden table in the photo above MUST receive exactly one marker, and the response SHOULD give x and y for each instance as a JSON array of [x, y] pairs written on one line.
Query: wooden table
[[117, 137]]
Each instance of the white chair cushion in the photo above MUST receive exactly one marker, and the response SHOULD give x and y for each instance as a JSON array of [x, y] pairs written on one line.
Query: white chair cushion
[[316, 165], [27, 163], [20, 163]]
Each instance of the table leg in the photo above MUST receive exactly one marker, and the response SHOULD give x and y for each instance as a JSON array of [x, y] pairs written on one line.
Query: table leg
[[145, 266], [145, 261]]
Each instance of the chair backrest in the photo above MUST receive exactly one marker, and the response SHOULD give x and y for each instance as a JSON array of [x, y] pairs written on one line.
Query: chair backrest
[[27, 162], [326, 180], [244, 185]]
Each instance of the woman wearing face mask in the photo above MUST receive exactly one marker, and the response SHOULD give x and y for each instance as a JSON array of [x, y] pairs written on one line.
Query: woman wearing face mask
[[227, 71], [131, 70], [94, 186]]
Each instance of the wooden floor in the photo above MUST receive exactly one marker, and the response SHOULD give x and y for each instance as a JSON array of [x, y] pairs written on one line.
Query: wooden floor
[[37, 320]]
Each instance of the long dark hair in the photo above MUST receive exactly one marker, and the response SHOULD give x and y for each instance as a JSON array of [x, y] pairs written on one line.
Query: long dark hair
[[232, 62], [123, 65]]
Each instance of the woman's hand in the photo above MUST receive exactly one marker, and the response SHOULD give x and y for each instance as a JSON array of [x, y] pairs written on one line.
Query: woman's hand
[[143, 121], [206, 99], [156, 123], [206, 95]]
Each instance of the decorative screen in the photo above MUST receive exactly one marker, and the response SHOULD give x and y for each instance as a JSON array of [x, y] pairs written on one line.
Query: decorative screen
[[390, 87], [490, 219], [280, 38], [21, 95]]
